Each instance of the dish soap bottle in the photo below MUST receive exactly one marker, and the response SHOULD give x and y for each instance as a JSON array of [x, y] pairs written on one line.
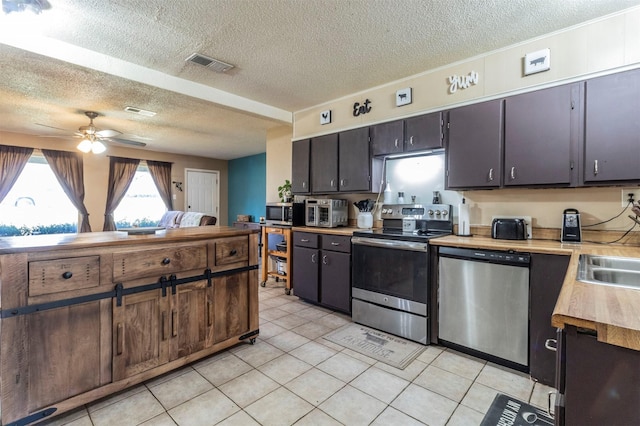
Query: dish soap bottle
[[388, 195]]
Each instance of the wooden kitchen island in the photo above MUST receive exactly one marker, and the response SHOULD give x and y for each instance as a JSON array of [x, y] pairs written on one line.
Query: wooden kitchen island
[[86, 315]]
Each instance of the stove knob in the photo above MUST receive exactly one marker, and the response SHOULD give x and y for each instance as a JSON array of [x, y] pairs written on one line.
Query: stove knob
[[444, 213], [430, 212], [438, 213]]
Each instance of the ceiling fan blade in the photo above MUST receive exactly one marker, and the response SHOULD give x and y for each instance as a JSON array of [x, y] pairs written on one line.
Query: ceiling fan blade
[[108, 133], [124, 142]]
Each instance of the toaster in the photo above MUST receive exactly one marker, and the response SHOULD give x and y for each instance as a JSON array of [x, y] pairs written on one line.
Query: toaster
[[509, 229]]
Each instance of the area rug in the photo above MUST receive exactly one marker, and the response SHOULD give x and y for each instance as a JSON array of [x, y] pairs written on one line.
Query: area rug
[[506, 410], [384, 347]]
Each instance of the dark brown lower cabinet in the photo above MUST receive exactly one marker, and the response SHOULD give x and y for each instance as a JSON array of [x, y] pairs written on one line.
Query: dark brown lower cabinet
[[322, 269], [545, 281], [599, 383]]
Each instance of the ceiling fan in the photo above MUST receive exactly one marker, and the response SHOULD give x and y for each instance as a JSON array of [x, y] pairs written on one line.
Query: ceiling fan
[[93, 139]]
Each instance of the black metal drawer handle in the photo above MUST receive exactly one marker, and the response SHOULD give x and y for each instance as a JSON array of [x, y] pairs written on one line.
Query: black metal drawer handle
[[166, 261], [233, 252], [67, 275]]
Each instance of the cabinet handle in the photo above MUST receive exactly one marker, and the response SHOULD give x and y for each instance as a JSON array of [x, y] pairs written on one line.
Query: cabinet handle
[[396, 143], [313, 258], [165, 332], [324, 260], [595, 167], [209, 313], [67, 275], [174, 323], [411, 141], [233, 252], [491, 174], [304, 184], [551, 344], [342, 182], [549, 413], [120, 339], [166, 261], [304, 240], [513, 173], [333, 243], [332, 182]]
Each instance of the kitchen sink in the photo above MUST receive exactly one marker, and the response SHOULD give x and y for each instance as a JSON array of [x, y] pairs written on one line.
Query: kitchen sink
[[610, 270]]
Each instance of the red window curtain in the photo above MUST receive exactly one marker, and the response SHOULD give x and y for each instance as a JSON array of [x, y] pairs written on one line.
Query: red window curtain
[[121, 173], [12, 162], [67, 166], [161, 175]]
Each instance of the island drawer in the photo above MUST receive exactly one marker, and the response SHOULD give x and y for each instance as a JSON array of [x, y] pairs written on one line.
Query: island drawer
[[58, 275], [336, 243], [128, 265], [231, 250]]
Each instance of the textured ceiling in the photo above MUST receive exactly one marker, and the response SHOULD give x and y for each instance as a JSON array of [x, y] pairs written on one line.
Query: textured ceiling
[[289, 55]]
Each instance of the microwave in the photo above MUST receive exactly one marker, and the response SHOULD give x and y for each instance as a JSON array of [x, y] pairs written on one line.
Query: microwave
[[287, 214], [326, 213]]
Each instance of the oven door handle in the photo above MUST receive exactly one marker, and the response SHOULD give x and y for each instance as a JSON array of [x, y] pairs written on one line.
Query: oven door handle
[[390, 244]]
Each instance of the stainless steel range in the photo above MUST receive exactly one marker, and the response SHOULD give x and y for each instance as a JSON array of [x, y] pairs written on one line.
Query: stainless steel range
[[390, 269]]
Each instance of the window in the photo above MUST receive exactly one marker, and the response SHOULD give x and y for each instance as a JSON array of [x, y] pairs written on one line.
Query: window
[[37, 203], [141, 205]]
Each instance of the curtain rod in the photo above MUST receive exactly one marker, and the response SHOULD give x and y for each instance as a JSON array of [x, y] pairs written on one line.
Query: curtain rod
[[141, 159]]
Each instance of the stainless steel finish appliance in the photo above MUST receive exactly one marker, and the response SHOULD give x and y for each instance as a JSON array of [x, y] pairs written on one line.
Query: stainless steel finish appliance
[[390, 270], [326, 213], [287, 214], [484, 304]]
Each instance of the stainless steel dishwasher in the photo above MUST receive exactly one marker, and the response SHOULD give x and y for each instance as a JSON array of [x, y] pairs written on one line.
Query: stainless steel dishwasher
[[483, 304]]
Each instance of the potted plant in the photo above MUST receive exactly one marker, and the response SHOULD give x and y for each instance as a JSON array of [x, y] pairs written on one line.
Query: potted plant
[[284, 191]]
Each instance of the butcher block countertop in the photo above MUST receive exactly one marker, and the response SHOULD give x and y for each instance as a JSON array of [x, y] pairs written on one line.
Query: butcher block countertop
[[104, 239], [613, 312]]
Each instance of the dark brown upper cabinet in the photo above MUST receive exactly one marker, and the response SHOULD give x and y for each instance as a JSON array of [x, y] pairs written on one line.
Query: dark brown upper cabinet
[[355, 167], [413, 134], [612, 128], [541, 136], [300, 171], [474, 146], [324, 164]]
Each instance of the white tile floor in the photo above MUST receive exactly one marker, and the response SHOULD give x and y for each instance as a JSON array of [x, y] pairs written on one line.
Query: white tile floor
[[294, 376]]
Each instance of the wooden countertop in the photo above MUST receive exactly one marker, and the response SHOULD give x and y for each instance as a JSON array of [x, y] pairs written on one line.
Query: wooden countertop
[[35, 243], [340, 230], [613, 312]]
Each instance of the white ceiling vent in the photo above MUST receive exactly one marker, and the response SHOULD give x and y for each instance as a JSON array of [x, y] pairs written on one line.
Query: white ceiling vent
[[139, 111], [214, 64]]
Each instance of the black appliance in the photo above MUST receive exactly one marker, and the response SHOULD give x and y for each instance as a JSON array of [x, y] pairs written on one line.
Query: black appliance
[[287, 214], [571, 231], [390, 269], [509, 229]]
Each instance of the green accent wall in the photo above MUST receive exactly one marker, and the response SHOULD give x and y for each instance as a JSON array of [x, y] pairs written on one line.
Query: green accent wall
[[247, 187]]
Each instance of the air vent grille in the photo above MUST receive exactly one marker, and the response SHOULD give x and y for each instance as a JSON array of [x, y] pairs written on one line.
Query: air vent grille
[[135, 110], [205, 61]]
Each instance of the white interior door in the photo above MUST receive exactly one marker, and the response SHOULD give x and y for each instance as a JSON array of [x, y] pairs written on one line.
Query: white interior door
[[203, 192]]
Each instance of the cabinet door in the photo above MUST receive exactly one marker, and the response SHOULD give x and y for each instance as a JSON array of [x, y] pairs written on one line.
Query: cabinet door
[[300, 160], [546, 277], [305, 273], [423, 132], [612, 128], [354, 160], [474, 146], [141, 333], [191, 319], [335, 287], [324, 164], [387, 138], [537, 142], [232, 307]]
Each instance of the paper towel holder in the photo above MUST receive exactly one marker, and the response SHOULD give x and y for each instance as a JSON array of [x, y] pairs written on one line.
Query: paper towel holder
[[462, 218]]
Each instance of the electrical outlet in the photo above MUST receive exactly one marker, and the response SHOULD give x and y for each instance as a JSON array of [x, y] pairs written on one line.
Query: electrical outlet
[[625, 195]]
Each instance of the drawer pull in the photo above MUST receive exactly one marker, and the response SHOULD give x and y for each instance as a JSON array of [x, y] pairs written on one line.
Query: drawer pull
[[333, 243], [304, 240], [233, 252], [67, 275], [166, 261], [120, 339], [551, 344]]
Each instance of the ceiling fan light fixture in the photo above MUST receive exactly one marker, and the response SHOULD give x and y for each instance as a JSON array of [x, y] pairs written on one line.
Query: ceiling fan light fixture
[[85, 146], [98, 147]]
